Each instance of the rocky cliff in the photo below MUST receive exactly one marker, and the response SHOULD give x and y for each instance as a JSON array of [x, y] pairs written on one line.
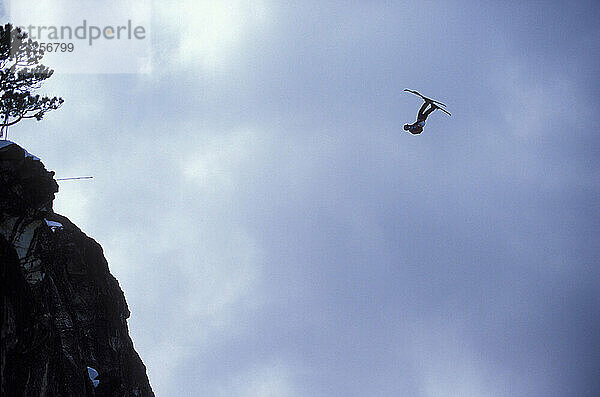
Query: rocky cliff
[[64, 317]]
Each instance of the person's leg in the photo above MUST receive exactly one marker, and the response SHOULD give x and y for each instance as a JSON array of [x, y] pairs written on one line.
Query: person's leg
[[421, 115], [428, 111]]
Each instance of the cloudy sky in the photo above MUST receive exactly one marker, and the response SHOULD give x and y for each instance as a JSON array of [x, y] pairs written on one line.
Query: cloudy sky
[[277, 233]]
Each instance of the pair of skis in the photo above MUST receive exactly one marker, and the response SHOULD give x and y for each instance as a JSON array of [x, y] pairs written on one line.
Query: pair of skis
[[433, 101]]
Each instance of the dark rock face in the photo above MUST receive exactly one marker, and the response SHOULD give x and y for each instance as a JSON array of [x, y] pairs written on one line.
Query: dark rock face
[[62, 310]]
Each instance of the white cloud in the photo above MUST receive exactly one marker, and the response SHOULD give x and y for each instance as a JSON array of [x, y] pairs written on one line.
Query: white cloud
[[214, 162], [74, 201], [446, 363], [209, 33], [271, 379]]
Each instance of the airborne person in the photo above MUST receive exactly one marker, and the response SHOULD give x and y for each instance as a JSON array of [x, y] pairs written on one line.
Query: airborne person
[[417, 127]]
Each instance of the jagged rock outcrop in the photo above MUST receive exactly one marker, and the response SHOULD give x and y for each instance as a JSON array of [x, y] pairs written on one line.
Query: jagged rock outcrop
[[62, 310]]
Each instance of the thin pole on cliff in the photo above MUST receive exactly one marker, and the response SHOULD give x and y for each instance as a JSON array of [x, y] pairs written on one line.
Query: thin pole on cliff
[[76, 177]]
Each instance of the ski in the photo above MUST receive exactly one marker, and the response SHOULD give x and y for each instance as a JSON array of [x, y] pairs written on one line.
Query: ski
[[444, 110], [424, 97]]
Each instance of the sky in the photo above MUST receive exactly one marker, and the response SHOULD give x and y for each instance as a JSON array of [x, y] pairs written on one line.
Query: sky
[[277, 233]]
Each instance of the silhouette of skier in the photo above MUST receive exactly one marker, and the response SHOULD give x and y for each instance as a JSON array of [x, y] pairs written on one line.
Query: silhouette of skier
[[417, 127]]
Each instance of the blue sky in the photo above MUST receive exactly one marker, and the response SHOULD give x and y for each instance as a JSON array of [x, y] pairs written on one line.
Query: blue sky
[[277, 233]]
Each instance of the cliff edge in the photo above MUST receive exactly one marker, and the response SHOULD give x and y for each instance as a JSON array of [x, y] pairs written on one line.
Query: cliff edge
[[64, 317]]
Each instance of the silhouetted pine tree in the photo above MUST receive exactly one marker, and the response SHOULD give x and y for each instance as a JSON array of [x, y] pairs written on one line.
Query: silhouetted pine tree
[[21, 73]]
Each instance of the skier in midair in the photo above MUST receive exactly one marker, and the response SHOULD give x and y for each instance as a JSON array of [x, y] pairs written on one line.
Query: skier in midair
[[428, 107], [417, 127]]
